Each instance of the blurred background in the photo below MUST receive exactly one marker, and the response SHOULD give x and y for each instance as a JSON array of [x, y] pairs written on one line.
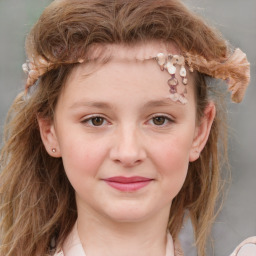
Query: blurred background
[[236, 19]]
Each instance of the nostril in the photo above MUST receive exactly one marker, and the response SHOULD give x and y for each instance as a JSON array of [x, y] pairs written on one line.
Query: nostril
[[127, 148], [127, 158], [127, 162]]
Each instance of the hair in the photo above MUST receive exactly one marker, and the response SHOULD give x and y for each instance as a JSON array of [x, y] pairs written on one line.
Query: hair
[[37, 200]]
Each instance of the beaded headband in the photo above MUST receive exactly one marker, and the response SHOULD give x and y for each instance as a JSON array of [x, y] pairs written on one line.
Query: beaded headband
[[169, 63], [235, 70]]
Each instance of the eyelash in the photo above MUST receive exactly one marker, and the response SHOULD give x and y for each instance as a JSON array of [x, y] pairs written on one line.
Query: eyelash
[[88, 121]]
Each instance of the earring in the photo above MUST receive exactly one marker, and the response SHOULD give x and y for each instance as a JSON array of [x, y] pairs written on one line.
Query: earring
[[53, 150]]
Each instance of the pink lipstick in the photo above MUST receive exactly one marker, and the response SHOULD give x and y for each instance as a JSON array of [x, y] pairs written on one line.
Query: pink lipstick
[[128, 184]]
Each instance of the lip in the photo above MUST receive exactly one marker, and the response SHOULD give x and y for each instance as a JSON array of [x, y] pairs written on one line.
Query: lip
[[128, 184]]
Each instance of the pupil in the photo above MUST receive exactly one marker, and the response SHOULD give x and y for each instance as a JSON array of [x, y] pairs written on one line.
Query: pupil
[[159, 120], [97, 121]]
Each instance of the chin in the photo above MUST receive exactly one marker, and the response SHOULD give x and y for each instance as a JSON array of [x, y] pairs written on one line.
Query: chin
[[127, 214]]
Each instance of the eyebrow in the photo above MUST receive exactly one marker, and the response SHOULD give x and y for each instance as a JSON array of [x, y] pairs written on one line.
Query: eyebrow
[[96, 104], [105, 105], [159, 103]]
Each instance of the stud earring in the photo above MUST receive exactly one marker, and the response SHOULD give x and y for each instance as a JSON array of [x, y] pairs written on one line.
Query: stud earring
[[197, 151], [53, 150]]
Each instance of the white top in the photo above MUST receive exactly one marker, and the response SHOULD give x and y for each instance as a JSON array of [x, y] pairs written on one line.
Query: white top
[[73, 246]]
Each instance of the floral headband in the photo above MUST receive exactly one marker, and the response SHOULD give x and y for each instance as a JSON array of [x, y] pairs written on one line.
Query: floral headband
[[235, 71]]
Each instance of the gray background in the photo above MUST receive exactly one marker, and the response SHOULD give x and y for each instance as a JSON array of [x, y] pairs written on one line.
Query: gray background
[[236, 19]]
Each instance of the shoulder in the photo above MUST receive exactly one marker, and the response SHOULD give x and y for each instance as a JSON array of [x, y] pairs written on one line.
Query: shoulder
[[246, 248]]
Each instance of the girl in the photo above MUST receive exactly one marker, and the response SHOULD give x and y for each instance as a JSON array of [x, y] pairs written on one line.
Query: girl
[[115, 137]]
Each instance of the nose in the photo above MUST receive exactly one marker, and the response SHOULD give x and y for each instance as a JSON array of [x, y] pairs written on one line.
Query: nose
[[127, 148]]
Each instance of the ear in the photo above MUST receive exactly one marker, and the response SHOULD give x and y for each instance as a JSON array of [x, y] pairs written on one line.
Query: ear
[[202, 132], [48, 136]]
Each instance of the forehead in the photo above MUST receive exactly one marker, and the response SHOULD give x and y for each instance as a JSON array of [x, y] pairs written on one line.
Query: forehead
[[113, 67]]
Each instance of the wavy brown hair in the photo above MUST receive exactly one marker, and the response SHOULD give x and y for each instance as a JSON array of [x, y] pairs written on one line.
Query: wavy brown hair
[[37, 200]]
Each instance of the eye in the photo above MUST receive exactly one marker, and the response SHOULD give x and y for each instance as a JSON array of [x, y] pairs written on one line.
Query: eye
[[161, 120], [95, 121]]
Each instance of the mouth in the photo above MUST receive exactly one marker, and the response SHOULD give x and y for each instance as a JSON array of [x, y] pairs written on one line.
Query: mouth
[[128, 184]]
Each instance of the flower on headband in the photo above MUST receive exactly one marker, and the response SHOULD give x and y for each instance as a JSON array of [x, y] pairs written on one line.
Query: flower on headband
[[235, 71], [238, 83], [35, 68], [169, 62]]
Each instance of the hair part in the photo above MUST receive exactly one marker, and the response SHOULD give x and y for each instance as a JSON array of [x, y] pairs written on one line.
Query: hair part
[[37, 200]]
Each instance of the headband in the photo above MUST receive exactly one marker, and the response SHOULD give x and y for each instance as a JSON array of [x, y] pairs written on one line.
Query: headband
[[235, 70]]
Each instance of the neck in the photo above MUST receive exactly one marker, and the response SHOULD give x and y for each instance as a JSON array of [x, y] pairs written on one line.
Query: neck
[[103, 236]]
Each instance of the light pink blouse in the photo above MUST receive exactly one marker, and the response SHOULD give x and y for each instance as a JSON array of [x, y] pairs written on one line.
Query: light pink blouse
[[246, 248], [73, 246]]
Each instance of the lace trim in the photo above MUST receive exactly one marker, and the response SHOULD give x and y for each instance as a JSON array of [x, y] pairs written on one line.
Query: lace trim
[[177, 249]]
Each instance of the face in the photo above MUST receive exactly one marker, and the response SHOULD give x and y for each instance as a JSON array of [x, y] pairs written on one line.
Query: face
[[125, 145]]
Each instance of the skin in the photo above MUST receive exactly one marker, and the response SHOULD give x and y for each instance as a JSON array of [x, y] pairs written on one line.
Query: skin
[[139, 132]]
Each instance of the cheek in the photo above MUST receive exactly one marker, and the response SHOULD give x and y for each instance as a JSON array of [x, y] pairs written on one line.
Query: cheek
[[172, 160], [82, 160]]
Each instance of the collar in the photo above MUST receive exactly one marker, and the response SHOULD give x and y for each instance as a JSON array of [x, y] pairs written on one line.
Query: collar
[[246, 248]]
